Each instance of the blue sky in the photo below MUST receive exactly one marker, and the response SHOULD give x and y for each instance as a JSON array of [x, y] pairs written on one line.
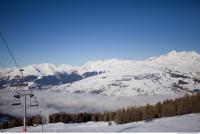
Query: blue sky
[[76, 31]]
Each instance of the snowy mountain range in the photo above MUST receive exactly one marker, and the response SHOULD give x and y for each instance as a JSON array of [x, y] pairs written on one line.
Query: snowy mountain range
[[175, 72]]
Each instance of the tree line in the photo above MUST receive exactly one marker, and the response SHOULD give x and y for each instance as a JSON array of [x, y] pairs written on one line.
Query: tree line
[[16, 122], [80, 117], [179, 106]]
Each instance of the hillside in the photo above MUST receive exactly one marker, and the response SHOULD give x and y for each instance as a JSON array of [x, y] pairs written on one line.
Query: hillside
[[175, 72]]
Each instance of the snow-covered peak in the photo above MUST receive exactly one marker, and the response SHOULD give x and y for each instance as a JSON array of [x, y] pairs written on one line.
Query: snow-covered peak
[[105, 61], [66, 68], [45, 68], [176, 58], [174, 54], [105, 65], [35, 69], [173, 58], [191, 54]]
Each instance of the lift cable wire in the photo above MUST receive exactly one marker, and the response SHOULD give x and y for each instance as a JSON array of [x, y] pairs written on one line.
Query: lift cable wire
[[10, 52], [24, 93]]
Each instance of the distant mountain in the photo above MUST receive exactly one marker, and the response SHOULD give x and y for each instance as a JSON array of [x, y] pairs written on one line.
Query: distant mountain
[[175, 72], [44, 75]]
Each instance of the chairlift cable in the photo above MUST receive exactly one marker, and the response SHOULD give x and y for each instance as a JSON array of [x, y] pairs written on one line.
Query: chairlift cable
[[21, 71], [11, 54]]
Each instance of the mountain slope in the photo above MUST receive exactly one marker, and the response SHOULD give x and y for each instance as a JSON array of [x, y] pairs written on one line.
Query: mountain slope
[[168, 74], [175, 72]]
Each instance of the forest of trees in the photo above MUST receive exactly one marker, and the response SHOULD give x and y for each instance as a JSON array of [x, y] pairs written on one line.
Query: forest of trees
[[80, 117], [179, 106], [15, 122]]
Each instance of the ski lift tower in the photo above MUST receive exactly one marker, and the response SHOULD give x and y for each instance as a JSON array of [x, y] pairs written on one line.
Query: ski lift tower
[[23, 92]]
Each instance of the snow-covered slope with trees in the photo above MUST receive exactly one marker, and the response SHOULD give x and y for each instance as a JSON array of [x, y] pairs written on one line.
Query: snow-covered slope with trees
[[185, 123]]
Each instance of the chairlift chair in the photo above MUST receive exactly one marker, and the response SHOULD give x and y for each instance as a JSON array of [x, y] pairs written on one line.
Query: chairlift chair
[[19, 81], [17, 96], [34, 103], [31, 95], [16, 102]]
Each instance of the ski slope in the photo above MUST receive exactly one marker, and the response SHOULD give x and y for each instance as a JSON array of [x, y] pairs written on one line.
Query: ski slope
[[184, 123]]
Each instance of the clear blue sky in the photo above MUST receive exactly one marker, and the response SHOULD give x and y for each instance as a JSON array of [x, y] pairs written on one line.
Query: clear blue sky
[[76, 31]]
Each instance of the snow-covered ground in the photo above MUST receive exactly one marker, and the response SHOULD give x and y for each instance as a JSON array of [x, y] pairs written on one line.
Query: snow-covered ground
[[185, 123]]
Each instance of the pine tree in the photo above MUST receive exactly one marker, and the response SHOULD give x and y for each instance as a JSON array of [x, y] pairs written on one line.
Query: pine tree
[[148, 112]]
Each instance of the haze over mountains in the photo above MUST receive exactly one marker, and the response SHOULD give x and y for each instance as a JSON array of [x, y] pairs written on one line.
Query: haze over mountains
[[175, 72]]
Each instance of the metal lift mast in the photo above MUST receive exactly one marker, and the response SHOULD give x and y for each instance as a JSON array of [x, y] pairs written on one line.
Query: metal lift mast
[[22, 93], [19, 84]]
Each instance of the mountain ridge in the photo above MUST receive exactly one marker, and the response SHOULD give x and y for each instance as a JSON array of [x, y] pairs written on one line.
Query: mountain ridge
[[67, 68], [175, 72]]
